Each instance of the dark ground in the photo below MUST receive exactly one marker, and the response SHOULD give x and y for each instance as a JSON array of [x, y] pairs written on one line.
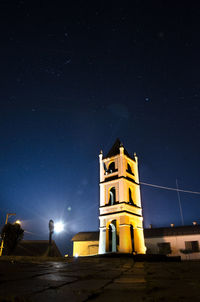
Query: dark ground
[[99, 279]]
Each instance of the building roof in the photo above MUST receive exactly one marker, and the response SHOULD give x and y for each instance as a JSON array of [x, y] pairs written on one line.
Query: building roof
[[36, 248], [86, 236], [148, 233], [172, 231], [115, 149]]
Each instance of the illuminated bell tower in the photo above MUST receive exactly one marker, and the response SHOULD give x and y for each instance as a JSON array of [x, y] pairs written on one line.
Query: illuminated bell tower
[[121, 221]]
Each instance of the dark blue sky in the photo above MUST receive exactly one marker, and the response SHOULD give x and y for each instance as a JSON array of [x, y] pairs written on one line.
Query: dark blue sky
[[76, 77]]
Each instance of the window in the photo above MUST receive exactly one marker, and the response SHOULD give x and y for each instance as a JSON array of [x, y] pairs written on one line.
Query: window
[[192, 246], [164, 248]]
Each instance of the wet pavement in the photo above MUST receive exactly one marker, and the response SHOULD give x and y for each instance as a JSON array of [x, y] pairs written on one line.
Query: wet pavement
[[99, 279]]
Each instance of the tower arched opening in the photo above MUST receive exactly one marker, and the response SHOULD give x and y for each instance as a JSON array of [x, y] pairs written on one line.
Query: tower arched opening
[[129, 170], [132, 237], [113, 237], [105, 168], [112, 196], [130, 196], [111, 167]]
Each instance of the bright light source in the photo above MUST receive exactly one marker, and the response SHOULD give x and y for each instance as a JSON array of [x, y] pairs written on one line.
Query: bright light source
[[18, 221], [58, 227], [76, 255]]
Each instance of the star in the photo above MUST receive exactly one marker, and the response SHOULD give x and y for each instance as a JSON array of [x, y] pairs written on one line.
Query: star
[[67, 61]]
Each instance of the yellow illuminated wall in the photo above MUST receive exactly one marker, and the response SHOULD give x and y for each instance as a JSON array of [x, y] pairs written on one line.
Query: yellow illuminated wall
[[85, 248]]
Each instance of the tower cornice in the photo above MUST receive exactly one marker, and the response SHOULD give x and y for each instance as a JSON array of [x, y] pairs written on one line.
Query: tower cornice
[[120, 212], [122, 202], [114, 178], [120, 208]]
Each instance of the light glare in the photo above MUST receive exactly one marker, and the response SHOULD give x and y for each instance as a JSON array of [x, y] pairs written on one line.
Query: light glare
[[58, 227]]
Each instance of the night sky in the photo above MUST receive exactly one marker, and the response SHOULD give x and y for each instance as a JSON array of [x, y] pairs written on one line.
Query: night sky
[[76, 77]]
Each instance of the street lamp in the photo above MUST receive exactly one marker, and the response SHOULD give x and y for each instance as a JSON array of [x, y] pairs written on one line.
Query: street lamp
[[18, 221], [2, 241], [59, 227]]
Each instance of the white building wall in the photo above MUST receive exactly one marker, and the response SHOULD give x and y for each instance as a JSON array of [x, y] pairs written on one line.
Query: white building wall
[[177, 243]]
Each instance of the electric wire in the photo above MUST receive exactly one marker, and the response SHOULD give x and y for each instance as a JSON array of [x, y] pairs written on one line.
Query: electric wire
[[168, 188]]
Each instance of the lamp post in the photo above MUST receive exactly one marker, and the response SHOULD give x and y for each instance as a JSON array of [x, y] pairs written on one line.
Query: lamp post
[[2, 241], [57, 228], [51, 230]]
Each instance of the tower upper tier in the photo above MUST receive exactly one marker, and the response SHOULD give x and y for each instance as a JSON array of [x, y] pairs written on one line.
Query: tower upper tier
[[118, 163]]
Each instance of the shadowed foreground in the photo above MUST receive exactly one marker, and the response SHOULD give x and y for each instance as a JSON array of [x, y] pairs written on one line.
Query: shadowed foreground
[[99, 279]]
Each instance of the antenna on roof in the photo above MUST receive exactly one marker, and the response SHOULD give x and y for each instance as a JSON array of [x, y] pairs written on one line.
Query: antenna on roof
[[179, 201]]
